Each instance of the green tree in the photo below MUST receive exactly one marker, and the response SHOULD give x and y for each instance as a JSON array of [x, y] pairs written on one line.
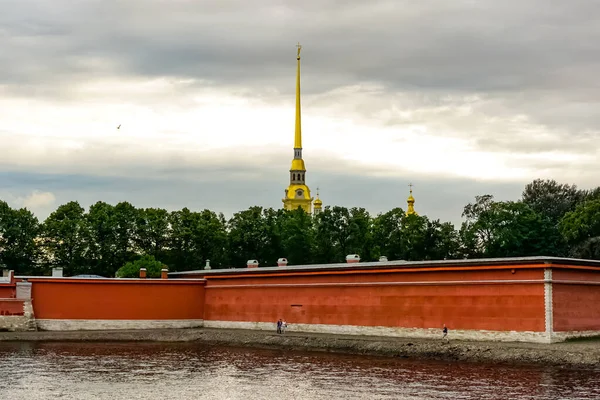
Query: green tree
[[414, 237], [211, 238], [152, 232], [519, 231], [196, 237], [581, 229], [592, 194], [109, 237], [63, 236], [274, 220], [441, 241], [125, 217], [360, 237], [504, 229], [297, 236], [250, 238], [324, 250], [552, 199], [18, 232], [476, 232], [132, 268], [387, 235], [339, 231]]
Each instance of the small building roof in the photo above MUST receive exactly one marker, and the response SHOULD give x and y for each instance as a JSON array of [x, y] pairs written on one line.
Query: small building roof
[[399, 263]]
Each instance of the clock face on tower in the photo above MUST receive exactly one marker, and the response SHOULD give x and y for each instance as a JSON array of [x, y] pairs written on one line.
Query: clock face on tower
[[299, 193]]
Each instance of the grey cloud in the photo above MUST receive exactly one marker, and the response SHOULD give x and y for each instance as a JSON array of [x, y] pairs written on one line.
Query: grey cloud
[[538, 59], [234, 194], [463, 45]]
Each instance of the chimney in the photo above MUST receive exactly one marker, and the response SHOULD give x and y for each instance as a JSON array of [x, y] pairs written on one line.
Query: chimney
[[143, 273], [352, 258], [383, 259], [282, 262], [57, 272], [207, 266], [252, 263], [164, 273], [8, 276]]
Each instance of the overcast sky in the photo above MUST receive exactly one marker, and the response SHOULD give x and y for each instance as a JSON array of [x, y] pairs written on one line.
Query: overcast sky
[[461, 98]]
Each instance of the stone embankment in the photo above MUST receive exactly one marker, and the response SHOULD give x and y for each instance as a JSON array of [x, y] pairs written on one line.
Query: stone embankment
[[579, 353]]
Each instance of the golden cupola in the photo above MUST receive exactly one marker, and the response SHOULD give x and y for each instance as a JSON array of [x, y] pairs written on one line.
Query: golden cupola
[[411, 203], [298, 194], [317, 204]]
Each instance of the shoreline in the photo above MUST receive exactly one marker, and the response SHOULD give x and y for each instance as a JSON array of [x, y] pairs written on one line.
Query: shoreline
[[575, 353]]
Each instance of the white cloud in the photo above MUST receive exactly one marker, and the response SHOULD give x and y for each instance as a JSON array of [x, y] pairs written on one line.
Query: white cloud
[[493, 92], [37, 199], [355, 130]]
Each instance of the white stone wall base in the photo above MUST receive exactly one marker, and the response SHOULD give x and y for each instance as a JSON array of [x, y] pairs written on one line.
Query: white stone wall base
[[562, 336], [19, 323], [115, 324], [15, 323], [417, 333]]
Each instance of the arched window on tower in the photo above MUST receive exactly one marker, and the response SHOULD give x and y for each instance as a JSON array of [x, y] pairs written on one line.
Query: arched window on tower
[[293, 177], [303, 177]]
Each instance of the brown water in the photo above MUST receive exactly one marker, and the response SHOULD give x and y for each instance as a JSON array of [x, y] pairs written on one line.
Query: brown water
[[195, 371]]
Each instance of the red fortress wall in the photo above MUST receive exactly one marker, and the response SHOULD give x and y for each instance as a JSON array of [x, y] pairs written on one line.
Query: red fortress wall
[[501, 299], [526, 299], [84, 303], [7, 291], [8, 286], [576, 300], [410, 300], [489, 300], [14, 313]]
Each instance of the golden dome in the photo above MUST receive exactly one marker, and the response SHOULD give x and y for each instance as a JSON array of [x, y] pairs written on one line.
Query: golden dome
[[298, 165], [411, 203]]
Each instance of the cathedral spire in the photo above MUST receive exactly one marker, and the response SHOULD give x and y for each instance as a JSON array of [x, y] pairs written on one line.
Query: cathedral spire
[[298, 194], [298, 133]]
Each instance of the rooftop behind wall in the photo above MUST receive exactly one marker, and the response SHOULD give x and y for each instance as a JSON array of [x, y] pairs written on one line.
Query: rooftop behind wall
[[432, 265]]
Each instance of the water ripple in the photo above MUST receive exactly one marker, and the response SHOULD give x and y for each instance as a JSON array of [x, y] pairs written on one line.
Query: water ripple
[[195, 371]]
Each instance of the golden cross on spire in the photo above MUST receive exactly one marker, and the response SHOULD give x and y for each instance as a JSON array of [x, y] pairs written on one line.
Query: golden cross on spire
[[410, 185], [299, 48], [317, 191]]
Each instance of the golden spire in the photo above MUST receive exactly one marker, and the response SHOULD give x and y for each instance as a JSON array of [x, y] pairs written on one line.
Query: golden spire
[[411, 202], [298, 194], [298, 135], [298, 162]]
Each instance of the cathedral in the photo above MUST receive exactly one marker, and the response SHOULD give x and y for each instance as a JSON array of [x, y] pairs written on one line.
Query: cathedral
[[297, 193]]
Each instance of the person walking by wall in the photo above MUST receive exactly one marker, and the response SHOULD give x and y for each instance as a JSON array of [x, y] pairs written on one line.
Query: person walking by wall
[[279, 325], [283, 326], [445, 333]]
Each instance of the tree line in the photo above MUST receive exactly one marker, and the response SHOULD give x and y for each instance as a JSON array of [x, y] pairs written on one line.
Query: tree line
[[550, 219]]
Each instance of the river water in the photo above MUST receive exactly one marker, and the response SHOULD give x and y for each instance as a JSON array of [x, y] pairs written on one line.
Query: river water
[[195, 371]]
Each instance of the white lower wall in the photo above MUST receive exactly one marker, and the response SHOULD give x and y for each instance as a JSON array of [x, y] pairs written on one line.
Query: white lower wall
[[562, 336], [114, 324], [19, 323], [417, 333], [14, 323]]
